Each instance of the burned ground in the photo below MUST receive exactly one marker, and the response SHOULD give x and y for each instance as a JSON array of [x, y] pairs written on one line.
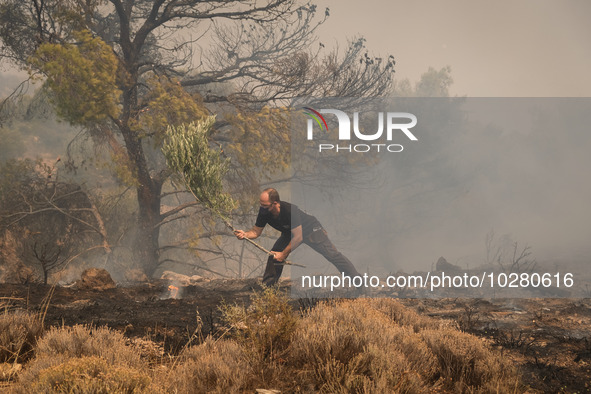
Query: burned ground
[[548, 339]]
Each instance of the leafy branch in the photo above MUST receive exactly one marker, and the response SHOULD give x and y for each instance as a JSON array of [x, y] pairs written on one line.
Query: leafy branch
[[201, 168]]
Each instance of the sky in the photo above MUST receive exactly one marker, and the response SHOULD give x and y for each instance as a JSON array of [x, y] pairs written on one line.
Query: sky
[[501, 48]]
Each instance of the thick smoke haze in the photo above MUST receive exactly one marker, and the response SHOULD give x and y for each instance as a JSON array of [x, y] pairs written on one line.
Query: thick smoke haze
[[505, 48], [514, 169]]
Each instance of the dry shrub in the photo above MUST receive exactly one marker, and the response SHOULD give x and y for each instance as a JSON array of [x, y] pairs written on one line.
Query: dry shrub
[[214, 367], [351, 347], [465, 362], [59, 345], [403, 315], [372, 346], [89, 375], [79, 341], [19, 332], [266, 326], [264, 330]]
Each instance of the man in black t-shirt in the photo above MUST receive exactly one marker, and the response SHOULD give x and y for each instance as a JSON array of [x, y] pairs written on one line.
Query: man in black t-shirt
[[296, 227]]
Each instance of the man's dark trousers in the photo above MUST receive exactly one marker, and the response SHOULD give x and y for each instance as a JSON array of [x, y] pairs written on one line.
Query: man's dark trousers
[[317, 240]]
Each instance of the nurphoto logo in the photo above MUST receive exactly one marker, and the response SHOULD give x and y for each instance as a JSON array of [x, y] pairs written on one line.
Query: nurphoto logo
[[396, 123]]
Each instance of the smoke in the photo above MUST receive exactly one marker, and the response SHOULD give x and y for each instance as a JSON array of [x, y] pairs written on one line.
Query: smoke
[[515, 167]]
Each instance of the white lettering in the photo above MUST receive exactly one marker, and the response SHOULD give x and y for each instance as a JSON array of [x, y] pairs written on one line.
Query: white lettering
[[358, 148], [370, 137], [398, 126], [396, 146], [344, 123]]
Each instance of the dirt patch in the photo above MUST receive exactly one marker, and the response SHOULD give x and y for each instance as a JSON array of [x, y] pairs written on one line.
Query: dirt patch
[[141, 311], [548, 339]]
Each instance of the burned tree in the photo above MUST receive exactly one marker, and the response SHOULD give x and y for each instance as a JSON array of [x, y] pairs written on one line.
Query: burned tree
[[49, 258], [51, 222], [125, 70]]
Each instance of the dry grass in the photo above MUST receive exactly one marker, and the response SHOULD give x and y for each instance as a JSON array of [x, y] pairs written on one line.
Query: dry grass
[[352, 346], [19, 332], [89, 375], [465, 363], [80, 341], [264, 330], [266, 326], [380, 346], [213, 367], [402, 315], [59, 346]]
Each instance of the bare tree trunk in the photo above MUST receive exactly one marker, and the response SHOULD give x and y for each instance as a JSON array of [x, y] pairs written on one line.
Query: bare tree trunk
[[146, 243]]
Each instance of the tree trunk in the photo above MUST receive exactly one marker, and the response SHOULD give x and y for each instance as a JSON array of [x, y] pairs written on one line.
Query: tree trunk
[[148, 196], [146, 243]]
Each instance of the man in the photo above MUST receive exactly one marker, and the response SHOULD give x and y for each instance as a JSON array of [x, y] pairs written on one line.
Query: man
[[296, 227]]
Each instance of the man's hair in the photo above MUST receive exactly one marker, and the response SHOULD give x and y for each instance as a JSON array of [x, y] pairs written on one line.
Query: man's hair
[[273, 194]]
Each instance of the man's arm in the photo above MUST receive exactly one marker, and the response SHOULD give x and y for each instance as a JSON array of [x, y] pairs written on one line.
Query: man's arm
[[296, 240], [253, 233]]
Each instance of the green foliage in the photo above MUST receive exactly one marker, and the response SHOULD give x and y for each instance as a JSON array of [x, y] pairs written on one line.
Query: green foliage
[[82, 78], [262, 140], [167, 103], [201, 168]]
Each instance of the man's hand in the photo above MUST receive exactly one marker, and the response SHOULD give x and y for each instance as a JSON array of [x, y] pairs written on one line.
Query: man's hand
[[279, 256], [240, 234]]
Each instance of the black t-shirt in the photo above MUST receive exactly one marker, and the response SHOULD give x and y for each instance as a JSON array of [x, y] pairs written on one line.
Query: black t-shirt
[[290, 217]]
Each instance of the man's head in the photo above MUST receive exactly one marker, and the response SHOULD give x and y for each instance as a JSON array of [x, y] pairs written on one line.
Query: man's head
[[269, 200]]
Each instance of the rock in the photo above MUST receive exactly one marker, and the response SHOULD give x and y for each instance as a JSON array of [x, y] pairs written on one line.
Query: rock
[[180, 279], [136, 275], [443, 266], [96, 279], [176, 279]]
